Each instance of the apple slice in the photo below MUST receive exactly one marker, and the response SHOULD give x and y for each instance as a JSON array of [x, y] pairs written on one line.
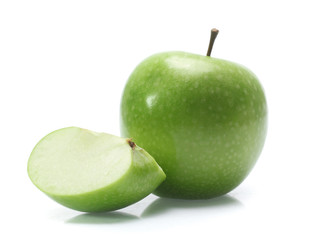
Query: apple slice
[[92, 172]]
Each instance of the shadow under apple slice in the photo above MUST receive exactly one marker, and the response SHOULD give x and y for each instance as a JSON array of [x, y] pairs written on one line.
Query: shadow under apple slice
[[102, 218], [162, 205], [157, 207]]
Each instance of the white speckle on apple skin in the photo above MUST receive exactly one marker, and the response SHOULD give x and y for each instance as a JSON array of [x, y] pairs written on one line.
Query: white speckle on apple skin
[[150, 101]]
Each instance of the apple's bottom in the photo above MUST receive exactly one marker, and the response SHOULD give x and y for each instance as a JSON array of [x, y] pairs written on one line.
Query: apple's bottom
[[167, 191]]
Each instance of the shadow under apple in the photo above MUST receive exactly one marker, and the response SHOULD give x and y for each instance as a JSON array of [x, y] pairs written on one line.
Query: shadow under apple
[[157, 207], [102, 218], [162, 205]]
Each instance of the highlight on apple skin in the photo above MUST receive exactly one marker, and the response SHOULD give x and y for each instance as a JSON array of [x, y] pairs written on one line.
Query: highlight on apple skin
[[92, 172]]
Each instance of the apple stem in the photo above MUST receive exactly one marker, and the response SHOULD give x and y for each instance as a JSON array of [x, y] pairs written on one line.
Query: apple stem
[[132, 144], [214, 33]]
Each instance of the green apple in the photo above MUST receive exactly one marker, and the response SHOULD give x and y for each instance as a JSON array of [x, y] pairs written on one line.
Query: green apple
[[203, 119], [92, 172]]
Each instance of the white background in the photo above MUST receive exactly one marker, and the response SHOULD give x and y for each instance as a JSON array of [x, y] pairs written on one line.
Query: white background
[[65, 63]]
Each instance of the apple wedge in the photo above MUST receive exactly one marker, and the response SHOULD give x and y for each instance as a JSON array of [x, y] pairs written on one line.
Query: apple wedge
[[92, 172]]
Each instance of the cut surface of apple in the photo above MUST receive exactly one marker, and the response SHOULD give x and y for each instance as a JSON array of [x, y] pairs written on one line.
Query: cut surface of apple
[[90, 171]]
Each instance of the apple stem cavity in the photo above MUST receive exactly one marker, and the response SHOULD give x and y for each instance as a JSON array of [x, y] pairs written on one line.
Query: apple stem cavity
[[131, 143], [214, 33]]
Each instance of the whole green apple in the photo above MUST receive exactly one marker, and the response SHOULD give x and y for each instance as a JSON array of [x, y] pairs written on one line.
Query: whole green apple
[[203, 119]]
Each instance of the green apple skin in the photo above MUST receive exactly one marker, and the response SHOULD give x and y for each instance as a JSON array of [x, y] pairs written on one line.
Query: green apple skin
[[92, 172], [203, 119]]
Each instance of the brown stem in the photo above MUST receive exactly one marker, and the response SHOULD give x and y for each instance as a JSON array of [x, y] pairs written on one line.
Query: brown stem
[[214, 33], [132, 144]]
